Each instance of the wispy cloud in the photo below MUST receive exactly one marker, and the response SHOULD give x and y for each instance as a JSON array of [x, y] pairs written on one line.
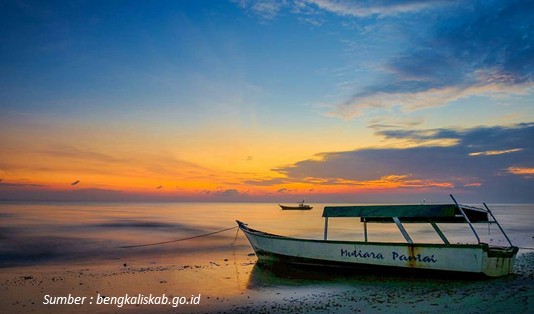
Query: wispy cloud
[[376, 8], [388, 122], [484, 50], [495, 152], [18, 185], [77, 153], [390, 181], [460, 49], [74, 158], [529, 172], [417, 100], [267, 9]]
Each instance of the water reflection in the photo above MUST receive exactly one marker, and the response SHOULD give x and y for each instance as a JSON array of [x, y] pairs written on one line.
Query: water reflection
[[279, 275]]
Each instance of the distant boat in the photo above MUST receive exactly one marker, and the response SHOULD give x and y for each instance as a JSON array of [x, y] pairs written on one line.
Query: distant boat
[[300, 206], [480, 258]]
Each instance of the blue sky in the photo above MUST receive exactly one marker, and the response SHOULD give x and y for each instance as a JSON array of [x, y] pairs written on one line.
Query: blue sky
[[253, 97]]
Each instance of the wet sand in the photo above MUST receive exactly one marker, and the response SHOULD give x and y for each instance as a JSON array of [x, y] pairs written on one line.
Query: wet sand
[[233, 283]]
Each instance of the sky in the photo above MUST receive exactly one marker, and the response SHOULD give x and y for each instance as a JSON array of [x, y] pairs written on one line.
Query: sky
[[267, 101]]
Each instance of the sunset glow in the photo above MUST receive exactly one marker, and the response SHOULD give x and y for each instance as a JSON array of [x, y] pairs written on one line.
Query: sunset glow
[[237, 101]]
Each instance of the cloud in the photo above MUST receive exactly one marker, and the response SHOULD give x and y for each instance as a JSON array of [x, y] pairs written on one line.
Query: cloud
[[77, 153], [495, 152], [309, 9], [267, 9], [479, 50], [504, 168], [375, 8], [527, 172], [33, 192], [228, 193], [457, 49], [428, 98], [18, 185], [74, 161], [265, 182], [388, 122]]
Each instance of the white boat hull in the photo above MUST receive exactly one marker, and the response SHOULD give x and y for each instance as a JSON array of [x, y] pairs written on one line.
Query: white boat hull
[[469, 258]]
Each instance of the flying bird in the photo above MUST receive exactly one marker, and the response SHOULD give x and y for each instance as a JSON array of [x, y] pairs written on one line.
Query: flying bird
[[159, 187], [75, 182]]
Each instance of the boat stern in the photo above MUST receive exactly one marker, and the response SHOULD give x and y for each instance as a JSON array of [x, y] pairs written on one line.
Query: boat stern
[[499, 261]]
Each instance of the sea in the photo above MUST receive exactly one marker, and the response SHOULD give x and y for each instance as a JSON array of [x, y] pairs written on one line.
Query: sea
[[71, 233]]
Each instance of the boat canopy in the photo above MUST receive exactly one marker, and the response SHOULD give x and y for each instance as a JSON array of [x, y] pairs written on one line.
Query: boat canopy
[[423, 213], [449, 213]]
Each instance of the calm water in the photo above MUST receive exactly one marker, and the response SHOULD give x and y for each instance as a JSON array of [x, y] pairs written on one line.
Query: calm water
[[70, 233]]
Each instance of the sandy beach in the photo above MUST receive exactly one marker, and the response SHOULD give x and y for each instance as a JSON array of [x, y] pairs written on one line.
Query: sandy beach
[[236, 284]]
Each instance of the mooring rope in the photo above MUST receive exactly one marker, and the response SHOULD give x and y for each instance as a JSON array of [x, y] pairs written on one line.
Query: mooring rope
[[177, 240]]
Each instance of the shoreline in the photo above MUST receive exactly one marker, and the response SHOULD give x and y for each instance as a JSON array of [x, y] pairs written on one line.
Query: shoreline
[[234, 283]]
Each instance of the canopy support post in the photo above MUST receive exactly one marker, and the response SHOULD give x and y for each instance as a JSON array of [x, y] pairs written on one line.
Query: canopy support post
[[402, 230], [438, 231], [466, 218], [365, 229], [493, 217], [325, 228]]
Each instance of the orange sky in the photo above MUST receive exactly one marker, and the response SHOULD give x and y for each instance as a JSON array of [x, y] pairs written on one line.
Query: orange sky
[[242, 102]]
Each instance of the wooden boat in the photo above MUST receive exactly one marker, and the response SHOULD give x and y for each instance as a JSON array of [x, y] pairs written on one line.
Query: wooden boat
[[300, 206], [479, 258]]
